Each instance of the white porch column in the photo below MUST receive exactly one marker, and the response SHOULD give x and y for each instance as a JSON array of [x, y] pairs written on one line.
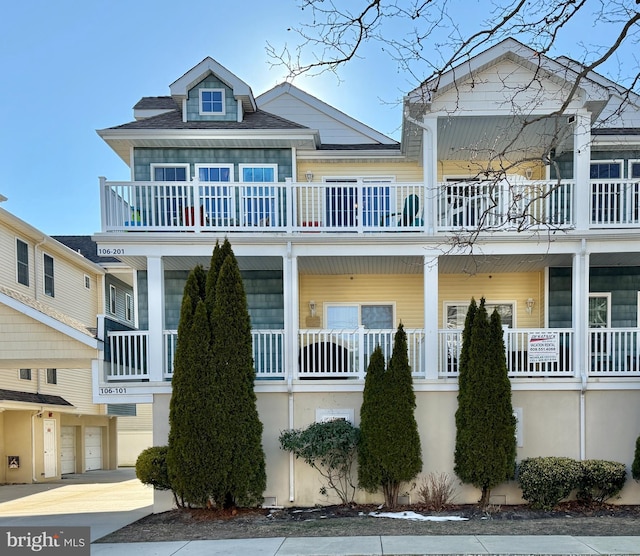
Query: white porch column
[[155, 293], [291, 318], [581, 169], [431, 343], [580, 317], [430, 170]]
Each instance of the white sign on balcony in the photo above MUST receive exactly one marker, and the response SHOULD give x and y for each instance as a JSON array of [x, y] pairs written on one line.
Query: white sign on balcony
[[543, 347]]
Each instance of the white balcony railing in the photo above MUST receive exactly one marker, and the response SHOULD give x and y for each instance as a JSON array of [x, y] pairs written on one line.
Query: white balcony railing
[[331, 354], [363, 206], [128, 355], [505, 204], [615, 203], [516, 352], [614, 352], [346, 353], [268, 353]]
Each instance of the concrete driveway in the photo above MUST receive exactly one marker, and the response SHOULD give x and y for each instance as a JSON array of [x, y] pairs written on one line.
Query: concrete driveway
[[103, 500]]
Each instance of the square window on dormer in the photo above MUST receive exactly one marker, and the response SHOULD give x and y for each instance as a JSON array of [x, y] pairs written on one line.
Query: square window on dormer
[[211, 102]]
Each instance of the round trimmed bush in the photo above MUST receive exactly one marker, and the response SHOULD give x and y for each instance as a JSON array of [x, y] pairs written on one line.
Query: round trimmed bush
[[151, 468], [545, 481], [601, 480]]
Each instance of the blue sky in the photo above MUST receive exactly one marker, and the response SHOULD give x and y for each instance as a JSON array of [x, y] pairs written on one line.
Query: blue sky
[[72, 67]]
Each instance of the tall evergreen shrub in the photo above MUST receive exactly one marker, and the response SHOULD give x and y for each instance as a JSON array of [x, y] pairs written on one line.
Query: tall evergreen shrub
[[388, 428], [485, 425]]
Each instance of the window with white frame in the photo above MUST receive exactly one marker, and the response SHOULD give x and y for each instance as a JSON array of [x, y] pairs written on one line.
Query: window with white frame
[[600, 310], [218, 200], [455, 313], [112, 300], [634, 169], [170, 172], [87, 282], [352, 315], [212, 102], [25, 374], [128, 307], [48, 275], [52, 376], [22, 261], [605, 169], [599, 317], [259, 203]]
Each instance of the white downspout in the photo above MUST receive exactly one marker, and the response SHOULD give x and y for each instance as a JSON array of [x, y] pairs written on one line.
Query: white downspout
[[291, 332], [585, 263], [33, 445]]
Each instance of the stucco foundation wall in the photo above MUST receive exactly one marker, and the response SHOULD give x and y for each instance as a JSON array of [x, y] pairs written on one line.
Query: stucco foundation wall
[[550, 425], [130, 444]]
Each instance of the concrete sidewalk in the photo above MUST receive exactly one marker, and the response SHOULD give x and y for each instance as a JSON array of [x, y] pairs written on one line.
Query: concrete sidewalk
[[106, 501], [374, 546]]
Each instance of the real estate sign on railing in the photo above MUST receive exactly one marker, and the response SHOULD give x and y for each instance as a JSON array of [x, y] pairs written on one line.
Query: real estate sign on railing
[[543, 347]]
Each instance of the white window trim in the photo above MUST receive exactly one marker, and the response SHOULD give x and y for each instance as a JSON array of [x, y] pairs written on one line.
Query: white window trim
[[87, 281], [54, 375], [227, 166], [44, 276], [24, 369], [212, 90], [511, 302], [630, 163], [157, 165], [113, 306], [17, 262], [274, 167], [618, 162], [638, 309]]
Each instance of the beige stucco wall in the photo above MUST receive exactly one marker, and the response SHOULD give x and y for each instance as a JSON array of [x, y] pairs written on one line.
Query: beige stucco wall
[[130, 444], [550, 426]]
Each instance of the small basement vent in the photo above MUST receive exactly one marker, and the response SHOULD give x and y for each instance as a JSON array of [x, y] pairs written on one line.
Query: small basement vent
[[270, 502]]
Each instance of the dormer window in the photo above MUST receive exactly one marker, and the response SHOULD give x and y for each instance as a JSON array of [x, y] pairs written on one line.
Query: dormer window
[[212, 102]]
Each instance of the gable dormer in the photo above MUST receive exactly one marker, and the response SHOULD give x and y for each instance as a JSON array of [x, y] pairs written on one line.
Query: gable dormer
[[210, 92]]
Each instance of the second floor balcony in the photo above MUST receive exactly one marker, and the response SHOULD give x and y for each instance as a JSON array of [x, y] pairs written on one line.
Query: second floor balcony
[[364, 207], [344, 354]]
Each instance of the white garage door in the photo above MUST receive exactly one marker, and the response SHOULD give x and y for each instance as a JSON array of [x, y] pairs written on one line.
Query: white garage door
[[92, 448], [68, 452]]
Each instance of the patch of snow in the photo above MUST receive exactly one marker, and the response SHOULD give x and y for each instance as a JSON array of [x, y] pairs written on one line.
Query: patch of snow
[[417, 517]]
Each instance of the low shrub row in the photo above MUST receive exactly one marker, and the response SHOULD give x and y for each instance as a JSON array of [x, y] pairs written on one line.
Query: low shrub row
[[545, 481]]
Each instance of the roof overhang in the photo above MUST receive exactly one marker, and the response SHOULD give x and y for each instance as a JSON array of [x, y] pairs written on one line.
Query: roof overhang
[[122, 141]]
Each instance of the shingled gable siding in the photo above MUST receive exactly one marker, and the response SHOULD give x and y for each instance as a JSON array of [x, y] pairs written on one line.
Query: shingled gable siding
[[145, 157], [193, 102], [622, 282]]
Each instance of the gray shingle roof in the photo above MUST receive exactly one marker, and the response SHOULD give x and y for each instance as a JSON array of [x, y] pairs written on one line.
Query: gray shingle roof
[[156, 103], [616, 131], [30, 397], [360, 147], [86, 247], [173, 120]]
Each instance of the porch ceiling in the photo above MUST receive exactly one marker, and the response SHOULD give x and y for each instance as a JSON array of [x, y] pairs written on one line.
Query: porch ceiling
[[447, 264], [469, 138]]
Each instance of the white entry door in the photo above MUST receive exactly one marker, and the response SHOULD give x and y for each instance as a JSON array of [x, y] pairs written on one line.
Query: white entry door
[[68, 449], [92, 448], [50, 452]]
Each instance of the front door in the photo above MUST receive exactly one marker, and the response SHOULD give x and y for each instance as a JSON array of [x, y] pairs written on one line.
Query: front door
[[50, 451]]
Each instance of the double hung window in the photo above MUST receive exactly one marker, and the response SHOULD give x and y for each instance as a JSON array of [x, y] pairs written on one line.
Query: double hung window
[[48, 275], [22, 261]]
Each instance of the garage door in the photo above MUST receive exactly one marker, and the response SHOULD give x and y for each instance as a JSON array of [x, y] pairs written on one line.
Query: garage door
[[68, 452], [92, 448]]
